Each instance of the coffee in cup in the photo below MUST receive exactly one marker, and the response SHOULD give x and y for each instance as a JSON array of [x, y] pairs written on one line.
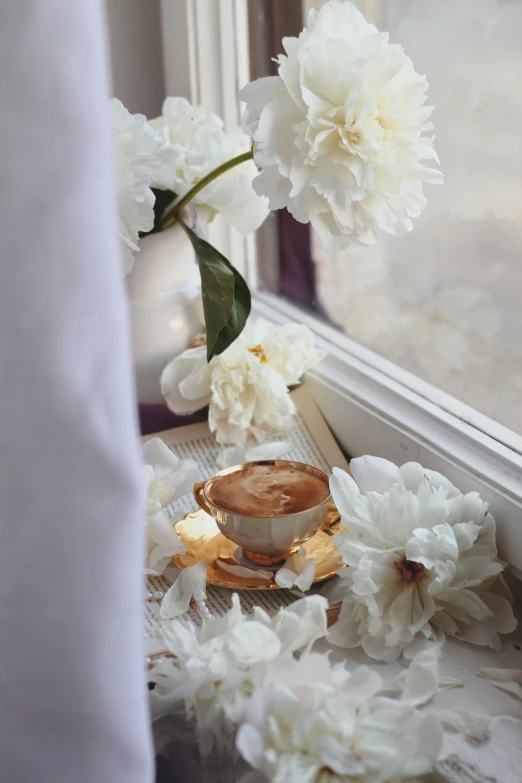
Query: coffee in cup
[[269, 507]]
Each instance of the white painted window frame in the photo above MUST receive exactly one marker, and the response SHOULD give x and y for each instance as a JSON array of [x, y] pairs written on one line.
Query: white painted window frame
[[372, 405]]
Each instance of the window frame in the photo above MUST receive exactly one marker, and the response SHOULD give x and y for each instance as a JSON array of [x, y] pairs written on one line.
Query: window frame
[[372, 405]]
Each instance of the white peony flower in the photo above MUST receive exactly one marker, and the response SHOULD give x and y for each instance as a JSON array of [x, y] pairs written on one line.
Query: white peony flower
[[298, 571], [421, 556], [309, 722], [247, 385], [138, 159], [338, 133], [167, 478], [217, 665], [199, 144]]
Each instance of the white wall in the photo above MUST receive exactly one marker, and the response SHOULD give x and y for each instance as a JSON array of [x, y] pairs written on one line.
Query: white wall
[[136, 54]]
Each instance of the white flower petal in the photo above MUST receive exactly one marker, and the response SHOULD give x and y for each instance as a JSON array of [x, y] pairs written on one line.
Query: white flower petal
[[362, 685], [245, 573], [232, 455], [185, 382], [507, 680], [157, 453], [158, 560], [161, 531], [345, 492], [374, 474], [250, 744], [414, 476], [302, 623], [167, 479], [474, 726], [273, 450], [503, 620], [138, 158], [345, 633], [298, 571], [421, 681], [479, 632], [376, 648], [191, 583], [430, 546], [253, 642]]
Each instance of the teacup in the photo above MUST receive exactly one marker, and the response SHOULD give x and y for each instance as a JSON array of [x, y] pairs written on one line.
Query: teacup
[[267, 540]]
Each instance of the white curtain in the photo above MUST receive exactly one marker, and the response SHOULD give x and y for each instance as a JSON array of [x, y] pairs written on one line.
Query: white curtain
[[73, 703]]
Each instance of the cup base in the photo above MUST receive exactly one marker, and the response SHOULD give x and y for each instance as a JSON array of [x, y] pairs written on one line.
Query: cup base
[[267, 560]]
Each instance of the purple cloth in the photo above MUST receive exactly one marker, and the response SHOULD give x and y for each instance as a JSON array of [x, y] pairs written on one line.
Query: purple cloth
[[297, 269], [156, 418]]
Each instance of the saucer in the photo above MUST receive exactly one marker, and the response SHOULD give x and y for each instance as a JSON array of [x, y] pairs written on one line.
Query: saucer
[[201, 536]]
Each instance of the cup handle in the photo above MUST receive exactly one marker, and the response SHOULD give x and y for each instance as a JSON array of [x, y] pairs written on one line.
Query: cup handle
[[200, 497]]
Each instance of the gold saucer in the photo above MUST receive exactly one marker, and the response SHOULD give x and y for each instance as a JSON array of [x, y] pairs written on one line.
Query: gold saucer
[[201, 536]]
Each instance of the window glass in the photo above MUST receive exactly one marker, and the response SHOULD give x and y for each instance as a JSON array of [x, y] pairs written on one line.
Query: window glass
[[443, 301]]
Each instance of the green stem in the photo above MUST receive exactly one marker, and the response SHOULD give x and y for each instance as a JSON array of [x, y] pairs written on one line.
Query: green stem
[[175, 209]]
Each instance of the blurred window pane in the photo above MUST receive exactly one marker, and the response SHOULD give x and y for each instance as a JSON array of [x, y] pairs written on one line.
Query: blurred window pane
[[444, 301]]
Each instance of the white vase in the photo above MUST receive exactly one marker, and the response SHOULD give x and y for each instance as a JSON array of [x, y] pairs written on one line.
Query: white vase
[[165, 306]]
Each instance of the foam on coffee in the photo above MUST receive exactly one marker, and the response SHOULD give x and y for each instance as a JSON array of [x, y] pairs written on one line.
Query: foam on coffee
[[268, 490]]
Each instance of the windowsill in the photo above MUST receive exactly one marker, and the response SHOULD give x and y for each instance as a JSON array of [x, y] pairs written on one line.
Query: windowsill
[[374, 407]]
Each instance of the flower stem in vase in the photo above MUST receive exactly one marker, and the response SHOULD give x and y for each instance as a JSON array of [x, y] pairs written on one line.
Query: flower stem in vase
[[175, 209]]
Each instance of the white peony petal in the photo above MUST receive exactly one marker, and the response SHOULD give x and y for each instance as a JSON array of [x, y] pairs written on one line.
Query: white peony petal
[[302, 623], [503, 620], [245, 573], [250, 744], [430, 546], [479, 632], [507, 680], [159, 558], [501, 675], [185, 382], [466, 534], [253, 643], [363, 684], [191, 583], [414, 475], [345, 492], [429, 736], [474, 726], [232, 455], [298, 571], [421, 681], [376, 648], [273, 450], [374, 474], [138, 158], [157, 453], [345, 633], [256, 95], [161, 530]]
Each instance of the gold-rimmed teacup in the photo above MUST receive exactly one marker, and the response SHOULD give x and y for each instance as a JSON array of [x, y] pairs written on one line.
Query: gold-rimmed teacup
[[266, 540]]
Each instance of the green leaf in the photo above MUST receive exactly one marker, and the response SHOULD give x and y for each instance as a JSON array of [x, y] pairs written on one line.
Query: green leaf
[[226, 298], [238, 316]]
